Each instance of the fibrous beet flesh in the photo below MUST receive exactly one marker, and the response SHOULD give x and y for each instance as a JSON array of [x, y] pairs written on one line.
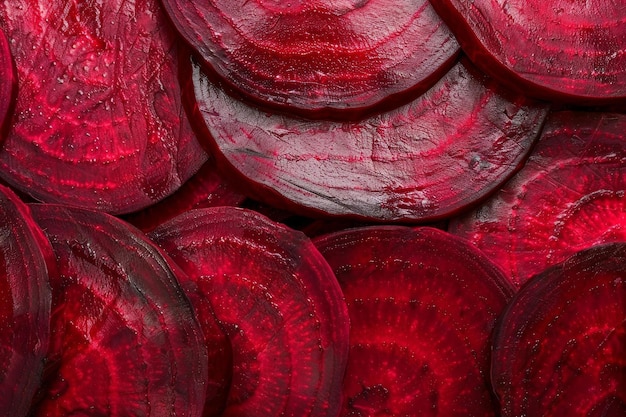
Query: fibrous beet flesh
[[277, 300], [422, 306], [8, 82], [98, 121]]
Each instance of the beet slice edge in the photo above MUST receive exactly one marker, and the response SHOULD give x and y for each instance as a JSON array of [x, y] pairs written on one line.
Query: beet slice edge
[[8, 84]]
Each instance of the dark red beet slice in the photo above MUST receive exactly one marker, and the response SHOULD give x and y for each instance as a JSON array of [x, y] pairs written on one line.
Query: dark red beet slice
[[425, 160], [25, 299], [207, 188], [422, 307], [99, 121], [277, 300], [8, 82], [554, 49], [559, 350], [319, 57], [125, 338], [569, 196]]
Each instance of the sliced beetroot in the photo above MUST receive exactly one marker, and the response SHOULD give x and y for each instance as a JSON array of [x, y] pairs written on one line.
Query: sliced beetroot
[[558, 50], [125, 338], [25, 300], [425, 160], [277, 300], [99, 121], [319, 57], [559, 350], [422, 307], [8, 82], [207, 188], [570, 195]]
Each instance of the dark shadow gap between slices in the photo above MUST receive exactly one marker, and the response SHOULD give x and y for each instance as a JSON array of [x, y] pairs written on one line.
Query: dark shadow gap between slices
[[8, 84], [125, 340], [555, 50], [559, 349], [277, 300], [26, 258], [570, 195], [426, 160], [319, 59], [99, 121], [422, 306]]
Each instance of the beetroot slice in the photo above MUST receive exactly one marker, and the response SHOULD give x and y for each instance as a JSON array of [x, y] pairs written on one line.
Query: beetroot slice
[[25, 301], [99, 119], [558, 49], [425, 160], [559, 350], [8, 82], [319, 57], [125, 339], [277, 300], [422, 306], [570, 195]]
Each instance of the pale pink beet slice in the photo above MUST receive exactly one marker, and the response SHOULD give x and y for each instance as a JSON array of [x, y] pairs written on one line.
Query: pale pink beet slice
[[8, 83], [422, 306], [426, 160], [25, 298], [570, 195], [125, 338], [320, 57], [554, 49], [99, 121], [277, 300], [559, 350]]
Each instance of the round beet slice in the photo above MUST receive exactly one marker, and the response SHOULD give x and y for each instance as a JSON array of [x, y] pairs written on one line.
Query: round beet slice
[[556, 49], [99, 121], [277, 300], [422, 307], [25, 300], [559, 350], [8, 82], [125, 338], [319, 57], [570, 195], [425, 160]]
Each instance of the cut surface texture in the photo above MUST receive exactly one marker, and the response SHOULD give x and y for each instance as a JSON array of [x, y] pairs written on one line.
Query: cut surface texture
[[8, 82], [554, 49], [318, 57], [25, 302], [125, 338], [422, 307], [99, 121], [428, 159], [559, 350], [277, 300], [570, 195]]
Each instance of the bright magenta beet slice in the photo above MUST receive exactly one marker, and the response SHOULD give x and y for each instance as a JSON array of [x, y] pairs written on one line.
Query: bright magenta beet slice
[[555, 49], [559, 350], [8, 82], [319, 57], [99, 121], [422, 306], [570, 195], [428, 159], [277, 300], [25, 300], [125, 338]]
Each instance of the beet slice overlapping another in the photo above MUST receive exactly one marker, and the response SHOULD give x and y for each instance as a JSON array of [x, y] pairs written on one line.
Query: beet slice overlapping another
[[125, 340], [99, 121], [570, 195], [425, 160], [422, 307], [319, 58], [556, 49], [559, 350], [277, 300], [25, 302], [8, 82]]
